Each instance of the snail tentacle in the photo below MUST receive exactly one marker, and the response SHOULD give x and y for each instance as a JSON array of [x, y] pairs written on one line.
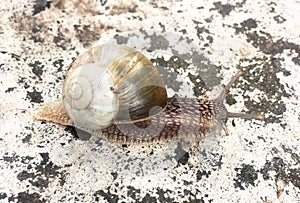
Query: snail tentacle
[[221, 112]]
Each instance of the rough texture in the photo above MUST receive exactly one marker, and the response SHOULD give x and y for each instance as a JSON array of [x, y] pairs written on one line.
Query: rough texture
[[257, 162]]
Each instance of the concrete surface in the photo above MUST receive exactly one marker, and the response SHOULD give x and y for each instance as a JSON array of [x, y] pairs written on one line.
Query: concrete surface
[[257, 162]]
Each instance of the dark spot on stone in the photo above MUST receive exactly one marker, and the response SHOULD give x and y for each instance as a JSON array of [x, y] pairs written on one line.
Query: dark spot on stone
[[103, 2], [206, 72], [183, 31], [186, 183], [246, 175], [87, 34], [36, 29], [223, 9], [199, 87], [62, 178], [276, 164], [132, 9], [164, 8], [14, 56], [163, 27], [23, 81], [230, 100], [61, 41], [184, 159], [215, 159], [133, 192], [26, 139], [26, 159], [37, 68], [296, 59], [121, 39], [196, 22], [217, 162], [158, 42], [24, 175], [201, 36], [286, 72], [163, 196], [10, 89], [3, 195], [45, 157], [279, 19], [59, 63], [192, 197], [40, 5], [245, 25], [201, 30], [283, 171], [108, 196], [164, 65], [26, 197], [43, 172], [39, 182], [261, 74], [208, 20], [271, 4], [265, 43], [294, 156], [294, 177], [210, 39], [181, 155], [37, 39], [233, 123], [35, 96], [10, 159], [201, 174], [114, 175], [148, 199], [78, 133]]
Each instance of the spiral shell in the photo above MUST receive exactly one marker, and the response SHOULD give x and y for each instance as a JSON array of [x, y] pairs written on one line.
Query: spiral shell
[[112, 84]]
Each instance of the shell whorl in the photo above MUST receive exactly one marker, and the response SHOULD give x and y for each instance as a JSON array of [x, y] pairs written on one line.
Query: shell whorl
[[112, 84]]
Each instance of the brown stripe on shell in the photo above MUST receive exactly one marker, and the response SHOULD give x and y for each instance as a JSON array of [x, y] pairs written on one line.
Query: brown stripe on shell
[[140, 89], [181, 117]]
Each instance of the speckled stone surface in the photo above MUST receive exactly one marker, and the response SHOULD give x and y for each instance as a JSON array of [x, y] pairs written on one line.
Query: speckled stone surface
[[209, 42]]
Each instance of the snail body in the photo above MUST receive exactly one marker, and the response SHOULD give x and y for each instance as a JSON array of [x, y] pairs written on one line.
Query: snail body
[[114, 91]]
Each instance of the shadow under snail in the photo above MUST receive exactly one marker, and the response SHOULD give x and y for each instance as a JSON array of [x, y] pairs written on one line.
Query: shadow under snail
[[114, 91]]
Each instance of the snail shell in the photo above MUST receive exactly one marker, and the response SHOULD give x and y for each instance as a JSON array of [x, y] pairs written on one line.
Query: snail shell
[[114, 91], [112, 84]]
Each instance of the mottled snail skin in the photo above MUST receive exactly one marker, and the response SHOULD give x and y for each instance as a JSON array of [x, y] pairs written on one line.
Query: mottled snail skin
[[143, 115], [184, 115]]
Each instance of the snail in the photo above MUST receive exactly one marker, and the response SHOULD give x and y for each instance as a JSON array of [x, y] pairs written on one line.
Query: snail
[[116, 92]]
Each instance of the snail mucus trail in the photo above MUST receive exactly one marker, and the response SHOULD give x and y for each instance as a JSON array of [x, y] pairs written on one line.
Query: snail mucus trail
[[114, 91]]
